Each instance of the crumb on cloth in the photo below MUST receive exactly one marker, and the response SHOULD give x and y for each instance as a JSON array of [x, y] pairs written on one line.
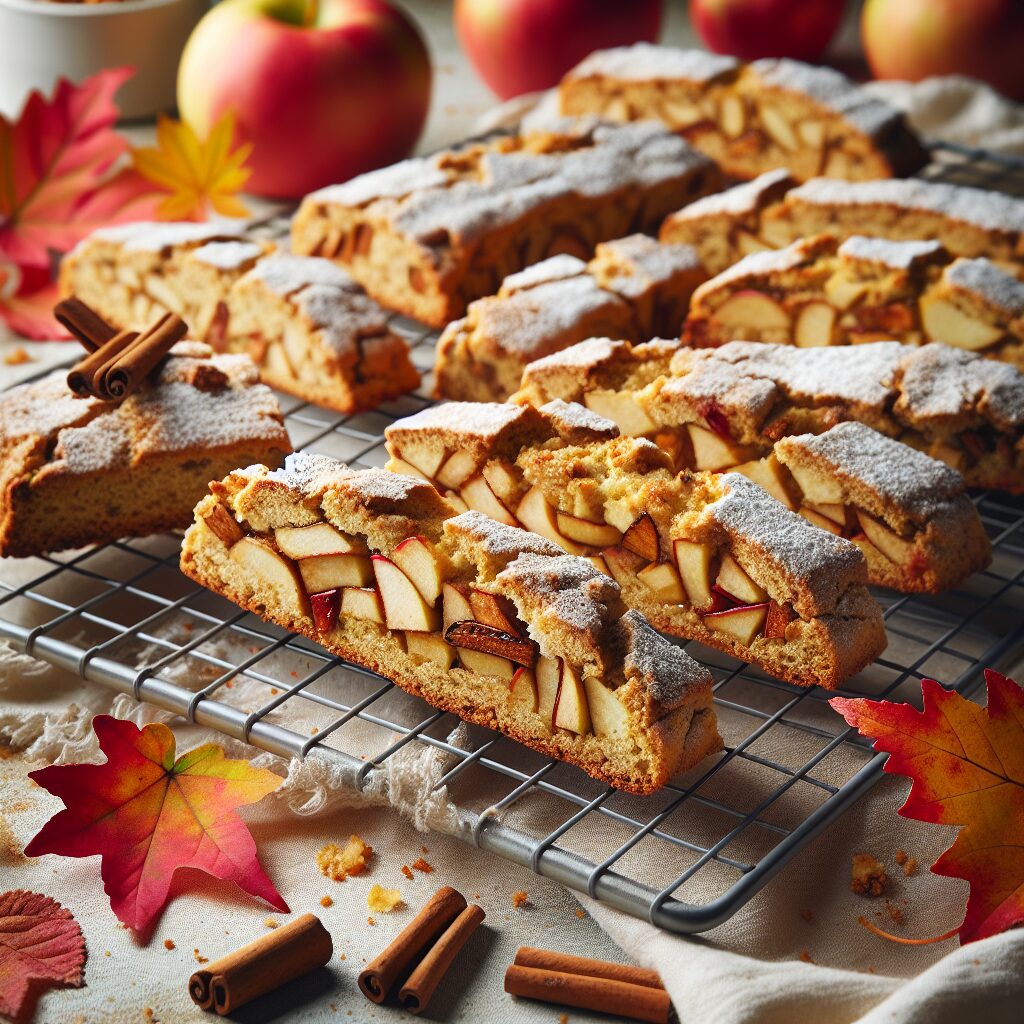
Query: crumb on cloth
[[338, 863], [867, 875], [382, 900]]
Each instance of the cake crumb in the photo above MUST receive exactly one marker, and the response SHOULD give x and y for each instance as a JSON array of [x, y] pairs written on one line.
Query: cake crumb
[[370, 920], [326, 901], [200, 959], [344, 956], [338, 864], [407, 871], [806, 956], [106, 952], [147, 1012], [519, 898], [423, 849], [867, 875], [910, 868], [169, 944], [901, 857], [563, 1018], [17, 357], [270, 922], [421, 865], [894, 912], [383, 900], [580, 913]]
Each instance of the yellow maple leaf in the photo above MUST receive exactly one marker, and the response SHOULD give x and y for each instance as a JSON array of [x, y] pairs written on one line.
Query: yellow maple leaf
[[197, 175]]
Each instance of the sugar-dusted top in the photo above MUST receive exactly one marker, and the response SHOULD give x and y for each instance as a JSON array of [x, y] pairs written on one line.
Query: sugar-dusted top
[[286, 274], [826, 563], [555, 268], [156, 237], [583, 355], [734, 391], [632, 265], [576, 423], [990, 282], [309, 472], [748, 197], [437, 200], [897, 255], [831, 89], [645, 61], [483, 420], [667, 671], [378, 488], [771, 261], [983, 207], [229, 255], [916, 483], [498, 539]]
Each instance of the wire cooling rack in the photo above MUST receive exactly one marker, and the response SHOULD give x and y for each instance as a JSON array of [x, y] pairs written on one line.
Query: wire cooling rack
[[687, 857]]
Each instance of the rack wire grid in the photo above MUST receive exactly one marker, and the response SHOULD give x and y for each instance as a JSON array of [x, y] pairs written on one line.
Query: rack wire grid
[[688, 857]]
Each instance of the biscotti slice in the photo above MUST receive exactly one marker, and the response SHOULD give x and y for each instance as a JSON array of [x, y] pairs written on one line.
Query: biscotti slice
[[493, 624], [633, 288], [708, 558], [724, 227], [133, 273], [749, 118], [820, 291], [428, 236], [954, 405], [314, 333], [908, 513], [77, 471]]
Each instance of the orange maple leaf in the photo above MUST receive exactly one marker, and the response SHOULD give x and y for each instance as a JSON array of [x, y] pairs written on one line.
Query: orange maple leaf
[[197, 175], [148, 814], [967, 767]]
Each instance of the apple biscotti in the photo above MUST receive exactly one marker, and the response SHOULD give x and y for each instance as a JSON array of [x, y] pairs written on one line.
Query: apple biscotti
[[633, 288], [491, 623], [311, 330], [953, 405], [820, 291], [77, 471], [749, 118], [710, 558], [966, 221], [429, 235]]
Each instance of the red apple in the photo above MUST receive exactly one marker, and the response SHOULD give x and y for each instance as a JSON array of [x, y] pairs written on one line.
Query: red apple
[[323, 89], [915, 39], [520, 46], [749, 29]]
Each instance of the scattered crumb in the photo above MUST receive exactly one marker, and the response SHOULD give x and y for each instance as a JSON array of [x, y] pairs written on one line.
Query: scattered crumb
[[10, 848], [407, 871], [807, 915], [294, 674], [343, 956], [271, 922], [421, 865], [476, 895], [168, 943], [370, 920], [313, 731], [326, 901], [580, 913], [894, 911], [910, 868], [423, 849], [871, 969], [274, 691], [147, 1012], [519, 898], [383, 900], [200, 959], [17, 356], [106, 952], [901, 858], [338, 864], [867, 875], [806, 956], [563, 1018]]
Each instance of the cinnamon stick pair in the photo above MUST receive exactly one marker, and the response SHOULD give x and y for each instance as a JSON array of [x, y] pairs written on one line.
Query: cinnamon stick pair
[[272, 960], [118, 361], [578, 981], [431, 940]]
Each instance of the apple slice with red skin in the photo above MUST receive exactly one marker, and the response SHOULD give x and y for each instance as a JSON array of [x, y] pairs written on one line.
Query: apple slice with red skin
[[548, 673], [478, 496], [642, 538], [779, 617], [720, 601], [325, 572], [712, 452], [484, 664], [742, 623], [663, 580], [362, 603], [593, 535], [623, 565], [404, 607], [693, 559], [572, 711], [523, 688], [736, 582], [272, 569], [318, 539], [430, 647], [495, 610], [415, 556], [325, 606], [455, 605], [536, 514]]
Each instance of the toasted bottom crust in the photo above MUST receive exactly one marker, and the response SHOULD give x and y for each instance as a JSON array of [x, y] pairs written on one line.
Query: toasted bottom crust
[[59, 512], [674, 744]]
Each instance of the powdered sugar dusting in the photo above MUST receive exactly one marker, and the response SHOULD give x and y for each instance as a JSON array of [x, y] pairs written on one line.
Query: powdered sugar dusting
[[732, 389], [993, 211], [391, 182], [574, 421], [645, 61], [989, 281], [749, 197], [309, 472], [484, 420], [757, 264], [500, 540], [229, 255], [156, 237], [286, 274], [555, 268], [898, 255], [641, 263], [585, 355], [378, 485], [918, 484], [667, 671], [44, 407]]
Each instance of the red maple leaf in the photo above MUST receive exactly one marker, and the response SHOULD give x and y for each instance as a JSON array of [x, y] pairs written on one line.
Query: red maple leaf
[[40, 945], [148, 814], [967, 767]]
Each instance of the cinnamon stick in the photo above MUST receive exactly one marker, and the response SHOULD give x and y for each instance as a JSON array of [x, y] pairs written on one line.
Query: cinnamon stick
[[129, 367], [378, 977], [84, 323], [272, 960], [586, 992], [82, 376], [417, 991], [551, 960]]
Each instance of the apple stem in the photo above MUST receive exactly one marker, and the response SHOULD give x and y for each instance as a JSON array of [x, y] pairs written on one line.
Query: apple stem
[[900, 939]]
